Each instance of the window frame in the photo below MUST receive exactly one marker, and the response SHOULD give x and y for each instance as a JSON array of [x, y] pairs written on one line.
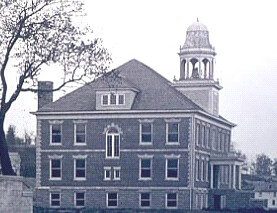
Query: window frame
[[166, 200], [106, 168], [51, 134], [167, 134], [51, 167], [141, 133], [117, 103], [198, 134], [113, 135], [75, 199], [166, 168], [107, 199], [145, 200], [115, 169], [59, 200], [150, 168], [75, 168], [75, 134]]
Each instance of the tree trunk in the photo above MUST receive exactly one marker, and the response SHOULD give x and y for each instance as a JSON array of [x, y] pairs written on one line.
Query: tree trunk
[[6, 165]]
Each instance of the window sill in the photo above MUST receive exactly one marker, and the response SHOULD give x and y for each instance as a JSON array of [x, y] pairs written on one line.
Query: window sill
[[80, 144], [79, 179], [55, 144], [144, 179], [172, 179], [146, 143], [55, 179], [172, 143]]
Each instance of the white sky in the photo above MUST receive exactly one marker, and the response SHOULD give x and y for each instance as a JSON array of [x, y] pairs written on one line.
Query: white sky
[[244, 34]]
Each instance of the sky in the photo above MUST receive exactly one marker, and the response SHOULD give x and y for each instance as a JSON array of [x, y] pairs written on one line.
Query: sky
[[244, 36]]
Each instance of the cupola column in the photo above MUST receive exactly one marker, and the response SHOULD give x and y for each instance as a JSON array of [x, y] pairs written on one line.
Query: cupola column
[[188, 61]]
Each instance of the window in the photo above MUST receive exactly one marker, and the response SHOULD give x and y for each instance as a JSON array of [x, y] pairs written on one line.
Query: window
[[105, 100], [116, 174], [144, 199], [171, 200], [112, 199], [172, 167], [112, 144], [145, 168], [203, 135], [273, 202], [274, 194], [113, 99], [198, 135], [202, 170], [208, 137], [260, 194], [207, 170], [56, 134], [172, 133], [107, 173], [121, 99], [55, 169], [80, 134], [80, 169], [55, 199], [79, 199], [213, 139], [197, 169], [146, 133]]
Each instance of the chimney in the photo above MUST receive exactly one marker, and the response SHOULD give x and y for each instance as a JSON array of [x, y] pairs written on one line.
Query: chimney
[[45, 93]]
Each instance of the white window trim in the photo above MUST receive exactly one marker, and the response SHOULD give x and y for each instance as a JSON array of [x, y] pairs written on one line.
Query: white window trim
[[166, 167], [118, 168], [117, 99], [51, 125], [107, 200], [202, 162], [75, 199], [113, 146], [172, 143], [140, 133], [170, 207], [80, 158], [145, 207], [50, 168], [75, 135], [197, 130], [50, 200], [208, 136], [145, 157], [207, 170], [107, 169]]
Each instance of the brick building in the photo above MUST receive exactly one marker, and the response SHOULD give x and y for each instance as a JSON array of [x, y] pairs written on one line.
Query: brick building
[[138, 140]]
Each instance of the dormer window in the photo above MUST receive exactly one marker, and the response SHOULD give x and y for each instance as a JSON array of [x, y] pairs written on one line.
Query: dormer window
[[113, 99]]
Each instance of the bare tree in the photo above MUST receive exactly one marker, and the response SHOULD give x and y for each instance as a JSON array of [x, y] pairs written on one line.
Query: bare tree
[[38, 33], [263, 165]]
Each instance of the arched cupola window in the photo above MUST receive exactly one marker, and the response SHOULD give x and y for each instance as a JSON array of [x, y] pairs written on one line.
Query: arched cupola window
[[112, 141]]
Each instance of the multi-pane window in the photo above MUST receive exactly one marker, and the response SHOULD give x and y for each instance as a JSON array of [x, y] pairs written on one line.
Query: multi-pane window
[[145, 168], [116, 173], [112, 144], [79, 199], [80, 168], [172, 168], [55, 199], [146, 133], [171, 200], [202, 170], [172, 132], [80, 133], [55, 169], [113, 99], [145, 199], [56, 133], [112, 199], [107, 173]]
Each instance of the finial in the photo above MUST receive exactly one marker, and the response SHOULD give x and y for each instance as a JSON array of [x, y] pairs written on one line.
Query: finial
[[197, 19]]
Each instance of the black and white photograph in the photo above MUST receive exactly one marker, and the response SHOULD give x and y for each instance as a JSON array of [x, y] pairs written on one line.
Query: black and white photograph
[[144, 106]]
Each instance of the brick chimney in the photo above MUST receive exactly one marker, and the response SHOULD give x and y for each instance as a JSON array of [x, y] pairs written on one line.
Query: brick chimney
[[45, 93]]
